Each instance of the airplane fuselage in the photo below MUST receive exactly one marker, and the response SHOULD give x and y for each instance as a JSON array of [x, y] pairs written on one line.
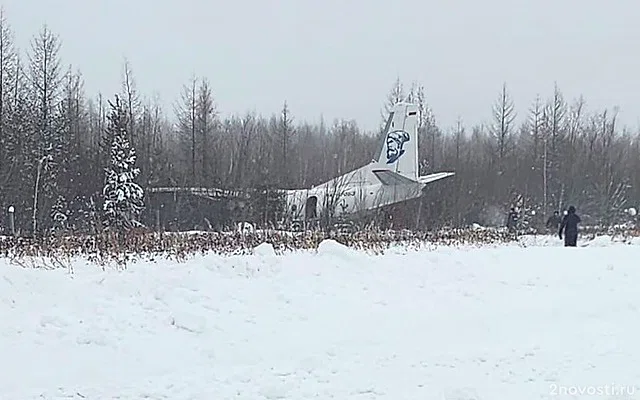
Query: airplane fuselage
[[392, 178], [352, 193]]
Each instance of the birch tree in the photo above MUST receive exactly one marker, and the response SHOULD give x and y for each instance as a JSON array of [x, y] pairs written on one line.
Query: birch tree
[[45, 81]]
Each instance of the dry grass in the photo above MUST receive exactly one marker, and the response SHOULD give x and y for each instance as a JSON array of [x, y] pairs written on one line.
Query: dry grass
[[110, 249]]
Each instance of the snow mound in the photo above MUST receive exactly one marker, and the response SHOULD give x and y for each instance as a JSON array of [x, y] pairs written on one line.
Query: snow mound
[[607, 241], [397, 249], [330, 247], [600, 241], [264, 250], [541, 240]]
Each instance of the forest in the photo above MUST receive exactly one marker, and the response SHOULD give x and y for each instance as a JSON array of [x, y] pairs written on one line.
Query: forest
[[56, 152]]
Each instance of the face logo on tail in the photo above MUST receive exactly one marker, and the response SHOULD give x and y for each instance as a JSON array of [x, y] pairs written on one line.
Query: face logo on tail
[[395, 144]]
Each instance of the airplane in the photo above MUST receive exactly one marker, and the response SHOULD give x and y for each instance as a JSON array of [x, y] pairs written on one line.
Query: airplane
[[392, 178]]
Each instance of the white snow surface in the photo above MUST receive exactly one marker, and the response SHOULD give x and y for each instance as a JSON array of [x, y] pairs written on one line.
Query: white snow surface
[[502, 322]]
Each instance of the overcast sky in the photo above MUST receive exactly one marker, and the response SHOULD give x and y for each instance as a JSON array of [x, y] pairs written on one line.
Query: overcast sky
[[339, 58]]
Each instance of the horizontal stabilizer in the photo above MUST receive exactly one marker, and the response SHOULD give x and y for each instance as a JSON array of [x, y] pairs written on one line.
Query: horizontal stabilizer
[[434, 177], [388, 177]]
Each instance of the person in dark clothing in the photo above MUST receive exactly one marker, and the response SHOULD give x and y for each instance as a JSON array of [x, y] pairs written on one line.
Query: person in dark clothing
[[512, 221], [554, 221], [570, 227]]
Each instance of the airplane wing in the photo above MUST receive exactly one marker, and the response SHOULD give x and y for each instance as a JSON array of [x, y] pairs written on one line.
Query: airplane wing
[[434, 177], [388, 177]]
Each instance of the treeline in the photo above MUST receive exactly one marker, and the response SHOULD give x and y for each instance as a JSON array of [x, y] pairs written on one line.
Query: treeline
[[53, 153]]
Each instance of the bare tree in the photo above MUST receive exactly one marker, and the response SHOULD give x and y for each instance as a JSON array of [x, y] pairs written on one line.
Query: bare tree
[[503, 115], [186, 113], [8, 60], [245, 131], [557, 114], [334, 198], [207, 121], [285, 132], [535, 126], [131, 98], [396, 95]]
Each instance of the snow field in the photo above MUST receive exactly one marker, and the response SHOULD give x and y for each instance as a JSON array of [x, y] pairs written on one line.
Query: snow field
[[490, 323]]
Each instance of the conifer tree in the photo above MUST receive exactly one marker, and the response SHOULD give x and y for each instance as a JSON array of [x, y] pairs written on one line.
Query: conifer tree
[[123, 197]]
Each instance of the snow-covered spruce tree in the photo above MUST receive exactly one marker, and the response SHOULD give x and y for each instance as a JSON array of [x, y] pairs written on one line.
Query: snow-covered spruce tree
[[123, 197]]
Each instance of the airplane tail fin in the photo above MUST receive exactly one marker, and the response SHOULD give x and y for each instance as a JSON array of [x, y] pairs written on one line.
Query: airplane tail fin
[[400, 148]]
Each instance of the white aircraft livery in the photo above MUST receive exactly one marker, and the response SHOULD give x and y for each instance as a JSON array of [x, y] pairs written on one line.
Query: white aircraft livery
[[393, 178]]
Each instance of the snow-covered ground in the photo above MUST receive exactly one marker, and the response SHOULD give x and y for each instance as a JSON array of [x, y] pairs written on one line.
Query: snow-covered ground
[[507, 322]]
